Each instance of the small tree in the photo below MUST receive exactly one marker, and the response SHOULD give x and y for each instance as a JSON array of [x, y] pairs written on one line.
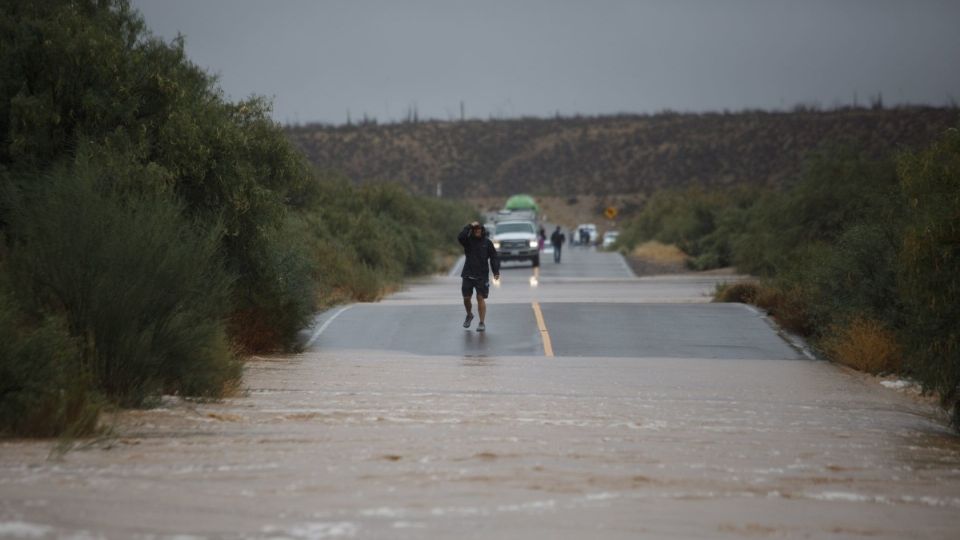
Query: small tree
[[930, 265]]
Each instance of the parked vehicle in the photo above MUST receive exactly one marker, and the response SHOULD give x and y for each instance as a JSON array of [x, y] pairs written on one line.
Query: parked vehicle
[[491, 228], [516, 240], [517, 215], [585, 234], [520, 207], [610, 238]]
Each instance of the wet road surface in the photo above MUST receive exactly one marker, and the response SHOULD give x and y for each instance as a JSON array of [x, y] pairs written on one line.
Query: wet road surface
[[657, 416]]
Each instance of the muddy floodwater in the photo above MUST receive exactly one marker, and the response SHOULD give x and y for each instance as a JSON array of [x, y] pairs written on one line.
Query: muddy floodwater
[[739, 437]]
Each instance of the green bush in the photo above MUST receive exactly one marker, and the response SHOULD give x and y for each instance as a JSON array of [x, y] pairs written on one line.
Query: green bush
[[853, 277], [161, 229], [863, 254], [43, 391], [929, 265], [833, 239], [703, 224], [85, 85], [388, 229], [840, 188], [141, 287], [276, 295]]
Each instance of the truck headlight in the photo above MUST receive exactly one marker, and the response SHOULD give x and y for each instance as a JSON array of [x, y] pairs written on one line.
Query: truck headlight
[[534, 243], [496, 244]]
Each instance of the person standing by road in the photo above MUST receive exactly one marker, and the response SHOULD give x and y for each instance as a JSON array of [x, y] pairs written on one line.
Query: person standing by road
[[541, 239], [557, 239], [480, 258]]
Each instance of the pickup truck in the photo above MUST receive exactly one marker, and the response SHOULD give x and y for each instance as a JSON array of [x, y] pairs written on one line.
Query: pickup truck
[[516, 240]]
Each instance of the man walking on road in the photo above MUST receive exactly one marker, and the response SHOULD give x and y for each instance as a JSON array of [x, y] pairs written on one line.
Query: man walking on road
[[481, 257], [557, 239]]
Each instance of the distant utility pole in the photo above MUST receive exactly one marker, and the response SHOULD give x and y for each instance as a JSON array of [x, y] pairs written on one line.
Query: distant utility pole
[[439, 190], [462, 111]]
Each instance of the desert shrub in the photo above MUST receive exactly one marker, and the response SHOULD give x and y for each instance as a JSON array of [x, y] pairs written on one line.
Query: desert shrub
[[864, 344], [363, 240], [163, 226], [744, 292], [43, 390], [85, 85], [788, 304], [853, 276], [862, 255], [400, 232], [142, 288], [701, 223], [839, 188], [827, 245], [660, 253], [275, 295], [929, 265]]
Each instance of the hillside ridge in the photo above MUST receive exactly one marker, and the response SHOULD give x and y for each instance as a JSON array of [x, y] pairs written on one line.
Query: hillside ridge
[[607, 154]]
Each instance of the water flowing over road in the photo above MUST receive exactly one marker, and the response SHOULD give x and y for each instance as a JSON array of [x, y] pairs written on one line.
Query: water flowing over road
[[596, 405]]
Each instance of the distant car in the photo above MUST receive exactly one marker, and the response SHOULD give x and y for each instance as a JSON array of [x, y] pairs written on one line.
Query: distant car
[[516, 240], [517, 215], [491, 229], [585, 234], [609, 238]]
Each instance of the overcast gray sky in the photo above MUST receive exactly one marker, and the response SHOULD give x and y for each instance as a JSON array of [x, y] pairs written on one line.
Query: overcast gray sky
[[318, 59]]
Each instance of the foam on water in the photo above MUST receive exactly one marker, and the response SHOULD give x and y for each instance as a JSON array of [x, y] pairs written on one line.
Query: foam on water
[[316, 530], [23, 529]]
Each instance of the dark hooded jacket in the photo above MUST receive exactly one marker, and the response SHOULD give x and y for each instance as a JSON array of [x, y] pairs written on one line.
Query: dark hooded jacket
[[480, 255], [557, 238]]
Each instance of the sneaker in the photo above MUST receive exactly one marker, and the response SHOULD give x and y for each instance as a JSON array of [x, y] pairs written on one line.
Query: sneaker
[[481, 327], [468, 320]]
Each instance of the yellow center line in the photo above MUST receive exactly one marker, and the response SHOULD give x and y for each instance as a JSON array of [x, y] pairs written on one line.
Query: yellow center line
[[547, 345]]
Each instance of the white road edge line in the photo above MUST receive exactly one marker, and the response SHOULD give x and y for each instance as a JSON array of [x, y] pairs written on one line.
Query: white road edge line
[[626, 267], [324, 326], [455, 271], [796, 342]]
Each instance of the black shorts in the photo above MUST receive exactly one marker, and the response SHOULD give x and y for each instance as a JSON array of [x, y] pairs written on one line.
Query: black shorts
[[469, 284]]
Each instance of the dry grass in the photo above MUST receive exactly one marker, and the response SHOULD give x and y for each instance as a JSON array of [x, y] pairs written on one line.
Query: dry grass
[[653, 258], [786, 306], [864, 344], [744, 292], [653, 251]]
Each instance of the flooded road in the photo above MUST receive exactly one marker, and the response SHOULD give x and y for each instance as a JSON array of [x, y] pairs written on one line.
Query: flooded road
[[658, 416]]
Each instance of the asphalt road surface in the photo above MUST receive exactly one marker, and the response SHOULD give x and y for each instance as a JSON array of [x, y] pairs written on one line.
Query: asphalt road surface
[[596, 405]]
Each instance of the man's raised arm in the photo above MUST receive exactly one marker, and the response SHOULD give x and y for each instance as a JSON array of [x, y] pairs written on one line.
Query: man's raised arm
[[464, 235]]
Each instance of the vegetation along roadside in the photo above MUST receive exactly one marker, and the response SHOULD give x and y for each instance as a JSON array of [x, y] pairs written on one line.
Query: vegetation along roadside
[[152, 232], [861, 254]]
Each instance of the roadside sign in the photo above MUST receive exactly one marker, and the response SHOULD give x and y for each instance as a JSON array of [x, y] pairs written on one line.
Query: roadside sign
[[610, 212]]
